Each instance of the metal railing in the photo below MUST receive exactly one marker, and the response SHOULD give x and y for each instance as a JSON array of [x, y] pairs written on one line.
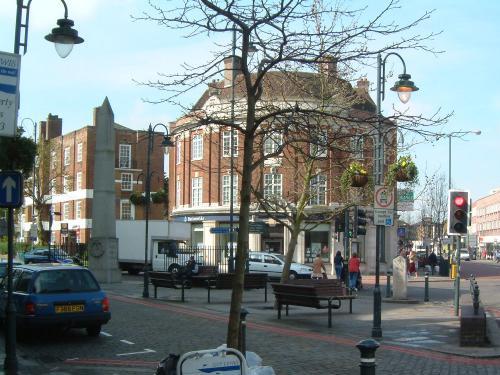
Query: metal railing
[[474, 291]]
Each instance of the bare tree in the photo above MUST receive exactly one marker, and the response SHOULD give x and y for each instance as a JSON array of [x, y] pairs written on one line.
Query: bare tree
[[290, 42]]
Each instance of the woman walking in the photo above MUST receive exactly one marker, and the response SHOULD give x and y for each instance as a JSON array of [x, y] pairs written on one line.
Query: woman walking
[[338, 262]]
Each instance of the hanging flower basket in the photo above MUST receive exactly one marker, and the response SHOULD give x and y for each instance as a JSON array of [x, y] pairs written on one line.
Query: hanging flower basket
[[359, 180], [137, 198], [354, 176], [404, 170], [159, 196]]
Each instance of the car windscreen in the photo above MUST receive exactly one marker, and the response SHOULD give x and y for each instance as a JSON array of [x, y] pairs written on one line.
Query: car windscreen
[[65, 281]]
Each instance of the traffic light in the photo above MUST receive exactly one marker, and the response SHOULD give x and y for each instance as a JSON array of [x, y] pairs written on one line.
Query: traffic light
[[360, 221], [458, 212], [339, 223]]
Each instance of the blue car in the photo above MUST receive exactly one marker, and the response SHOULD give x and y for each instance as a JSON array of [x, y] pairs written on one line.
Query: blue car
[[56, 295]]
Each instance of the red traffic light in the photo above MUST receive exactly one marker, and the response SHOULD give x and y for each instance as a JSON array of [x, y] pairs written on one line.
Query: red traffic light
[[459, 201]]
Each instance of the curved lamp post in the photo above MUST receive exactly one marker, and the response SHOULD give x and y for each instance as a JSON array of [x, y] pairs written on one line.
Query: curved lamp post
[[404, 87], [167, 142], [64, 36]]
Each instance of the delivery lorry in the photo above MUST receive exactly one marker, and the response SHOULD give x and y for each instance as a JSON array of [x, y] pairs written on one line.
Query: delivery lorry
[[167, 245]]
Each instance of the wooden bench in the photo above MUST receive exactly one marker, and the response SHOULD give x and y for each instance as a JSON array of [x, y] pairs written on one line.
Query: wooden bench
[[204, 273], [168, 280], [312, 293], [225, 281]]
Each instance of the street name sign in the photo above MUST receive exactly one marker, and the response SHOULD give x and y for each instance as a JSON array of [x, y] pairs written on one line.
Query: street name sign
[[11, 189], [10, 66], [405, 200]]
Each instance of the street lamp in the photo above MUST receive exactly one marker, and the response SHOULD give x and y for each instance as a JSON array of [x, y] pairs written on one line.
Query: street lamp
[[404, 87], [167, 142], [456, 297], [64, 37]]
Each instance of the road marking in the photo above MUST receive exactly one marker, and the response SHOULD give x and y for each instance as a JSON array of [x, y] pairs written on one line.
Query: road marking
[[106, 334], [145, 351], [127, 342]]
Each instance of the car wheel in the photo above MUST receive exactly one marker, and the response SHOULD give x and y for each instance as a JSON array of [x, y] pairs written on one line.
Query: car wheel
[[293, 275], [94, 331], [174, 268]]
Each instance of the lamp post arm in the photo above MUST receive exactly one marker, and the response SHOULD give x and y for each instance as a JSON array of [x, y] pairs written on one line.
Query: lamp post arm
[[20, 24], [382, 75]]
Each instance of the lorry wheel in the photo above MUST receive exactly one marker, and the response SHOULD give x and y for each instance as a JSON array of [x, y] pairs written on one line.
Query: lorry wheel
[[174, 268], [133, 271]]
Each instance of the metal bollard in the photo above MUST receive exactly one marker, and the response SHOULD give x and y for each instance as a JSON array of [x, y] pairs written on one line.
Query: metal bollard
[[243, 332], [426, 290], [367, 349], [388, 287], [476, 299]]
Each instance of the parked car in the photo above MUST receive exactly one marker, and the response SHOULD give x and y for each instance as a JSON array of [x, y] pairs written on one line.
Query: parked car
[[464, 254], [273, 264], [56, 295], [45, 255]]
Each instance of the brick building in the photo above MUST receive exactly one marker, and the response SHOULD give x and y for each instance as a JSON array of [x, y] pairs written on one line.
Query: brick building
[[200, 165], [66, 178], [485, 221]]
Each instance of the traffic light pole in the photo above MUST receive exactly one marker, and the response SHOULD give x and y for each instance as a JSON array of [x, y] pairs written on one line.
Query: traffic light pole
[[458, 241]]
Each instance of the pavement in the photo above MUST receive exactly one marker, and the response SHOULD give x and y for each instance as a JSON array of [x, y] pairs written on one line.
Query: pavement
[[425, 330]]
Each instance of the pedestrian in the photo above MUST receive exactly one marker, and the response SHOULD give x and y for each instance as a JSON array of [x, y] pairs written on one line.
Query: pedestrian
[[338, 262], [319, 269], [353, 267], [412, 258], [432, 261]]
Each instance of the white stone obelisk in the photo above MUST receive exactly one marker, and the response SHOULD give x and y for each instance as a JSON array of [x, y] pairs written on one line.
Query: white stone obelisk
[[103, 246]]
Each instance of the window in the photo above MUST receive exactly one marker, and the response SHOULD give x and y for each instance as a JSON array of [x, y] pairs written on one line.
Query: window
[[126, 210], [78, 210], [66, 156], [272, 142], [66, 184], [226, 189], [272, 185], [318, 190], [178, 148], [178, 192], [196, 191], [65, 211], [79, 152], [197, 147], [126, 181], [53, 160], [357, 146], [124, 156], [226, 143], [79, 177], [319, 148]]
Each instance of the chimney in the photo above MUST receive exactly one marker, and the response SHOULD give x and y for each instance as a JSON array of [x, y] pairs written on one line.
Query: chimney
[[328, 66], [364, 84], [53, 127], [228, 69]]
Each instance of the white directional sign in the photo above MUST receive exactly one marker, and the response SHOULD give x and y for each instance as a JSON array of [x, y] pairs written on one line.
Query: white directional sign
[[10, 66], [383, 217], [11, 189]]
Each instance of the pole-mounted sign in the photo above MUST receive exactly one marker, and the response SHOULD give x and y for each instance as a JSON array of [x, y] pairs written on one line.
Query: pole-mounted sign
[[10, 66], [11, 189]]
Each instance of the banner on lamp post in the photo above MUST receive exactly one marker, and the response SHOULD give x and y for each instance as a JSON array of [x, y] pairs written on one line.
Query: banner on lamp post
[[10, 67]]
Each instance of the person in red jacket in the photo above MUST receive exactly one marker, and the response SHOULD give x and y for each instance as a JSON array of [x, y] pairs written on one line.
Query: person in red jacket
[[353, 267]]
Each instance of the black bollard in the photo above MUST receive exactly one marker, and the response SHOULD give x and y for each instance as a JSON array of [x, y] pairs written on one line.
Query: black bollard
[[388, 287], [367, 349], [426, 290], [243, 332]]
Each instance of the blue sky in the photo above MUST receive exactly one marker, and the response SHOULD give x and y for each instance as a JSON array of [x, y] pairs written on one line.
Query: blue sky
[[462, 79]]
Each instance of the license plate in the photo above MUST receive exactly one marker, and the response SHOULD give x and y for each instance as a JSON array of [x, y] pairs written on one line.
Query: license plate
[[69, 308]]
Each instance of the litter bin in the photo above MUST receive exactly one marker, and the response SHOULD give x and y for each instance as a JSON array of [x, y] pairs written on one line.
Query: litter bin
[[444, 267], [453, 271]]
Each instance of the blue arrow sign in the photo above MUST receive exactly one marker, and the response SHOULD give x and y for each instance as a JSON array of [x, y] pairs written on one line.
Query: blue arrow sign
[[11, 189]]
